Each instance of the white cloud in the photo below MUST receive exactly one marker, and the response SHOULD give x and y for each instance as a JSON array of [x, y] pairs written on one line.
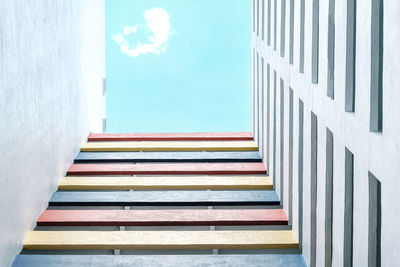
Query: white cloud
[[157, 20], [129, 30]]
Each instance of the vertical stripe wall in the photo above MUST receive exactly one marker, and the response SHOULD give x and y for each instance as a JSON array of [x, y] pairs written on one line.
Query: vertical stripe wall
[[340, 62]]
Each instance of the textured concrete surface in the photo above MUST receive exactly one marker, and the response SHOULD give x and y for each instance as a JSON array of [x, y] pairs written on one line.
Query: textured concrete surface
[[51, 72], [276, 260], [378, 153]]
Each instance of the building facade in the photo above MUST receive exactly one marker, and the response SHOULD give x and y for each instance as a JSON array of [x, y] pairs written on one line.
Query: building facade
[[51, 96], [326, 115]]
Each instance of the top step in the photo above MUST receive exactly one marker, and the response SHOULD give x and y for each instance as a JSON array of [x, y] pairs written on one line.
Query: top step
[[232, 136]]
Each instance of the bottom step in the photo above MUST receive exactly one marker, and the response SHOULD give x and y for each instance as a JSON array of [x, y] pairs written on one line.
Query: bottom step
[[272, 260], [133, 240]]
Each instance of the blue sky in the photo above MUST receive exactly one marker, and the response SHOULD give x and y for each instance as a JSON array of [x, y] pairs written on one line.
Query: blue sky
[[178, 65]]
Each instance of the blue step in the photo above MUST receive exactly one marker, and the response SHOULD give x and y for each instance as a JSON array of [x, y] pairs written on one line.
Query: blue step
[[271, 260], [165, 198], [103, 157]]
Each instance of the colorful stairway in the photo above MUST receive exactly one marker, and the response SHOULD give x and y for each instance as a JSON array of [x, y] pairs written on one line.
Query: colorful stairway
[[164, 200]]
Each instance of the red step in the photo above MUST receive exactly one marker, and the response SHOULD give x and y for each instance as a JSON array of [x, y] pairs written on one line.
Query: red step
[[174, 168], [162, 217], [170, 136]]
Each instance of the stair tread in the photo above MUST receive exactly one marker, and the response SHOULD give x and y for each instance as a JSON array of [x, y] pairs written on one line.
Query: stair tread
[[171, 168], [216, 136], [185, 166], [164, 182], [192, 156], [170, 146], [77, 240], [272, 260], [165, 198], [162, 217]]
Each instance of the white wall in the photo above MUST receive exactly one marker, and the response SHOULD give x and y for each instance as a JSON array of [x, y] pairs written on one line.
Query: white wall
[[378, 153], [52, 59]]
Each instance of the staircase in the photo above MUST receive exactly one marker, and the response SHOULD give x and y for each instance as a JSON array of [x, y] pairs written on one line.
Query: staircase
[[164, 200]]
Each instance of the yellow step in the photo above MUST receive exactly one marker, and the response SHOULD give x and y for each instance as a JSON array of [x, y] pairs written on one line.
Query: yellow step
[[131, 240], [170, 146], [216, 182]]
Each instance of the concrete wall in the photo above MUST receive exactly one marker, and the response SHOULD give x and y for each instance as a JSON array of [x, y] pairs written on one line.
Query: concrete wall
[[52, 68], [374, 152]]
